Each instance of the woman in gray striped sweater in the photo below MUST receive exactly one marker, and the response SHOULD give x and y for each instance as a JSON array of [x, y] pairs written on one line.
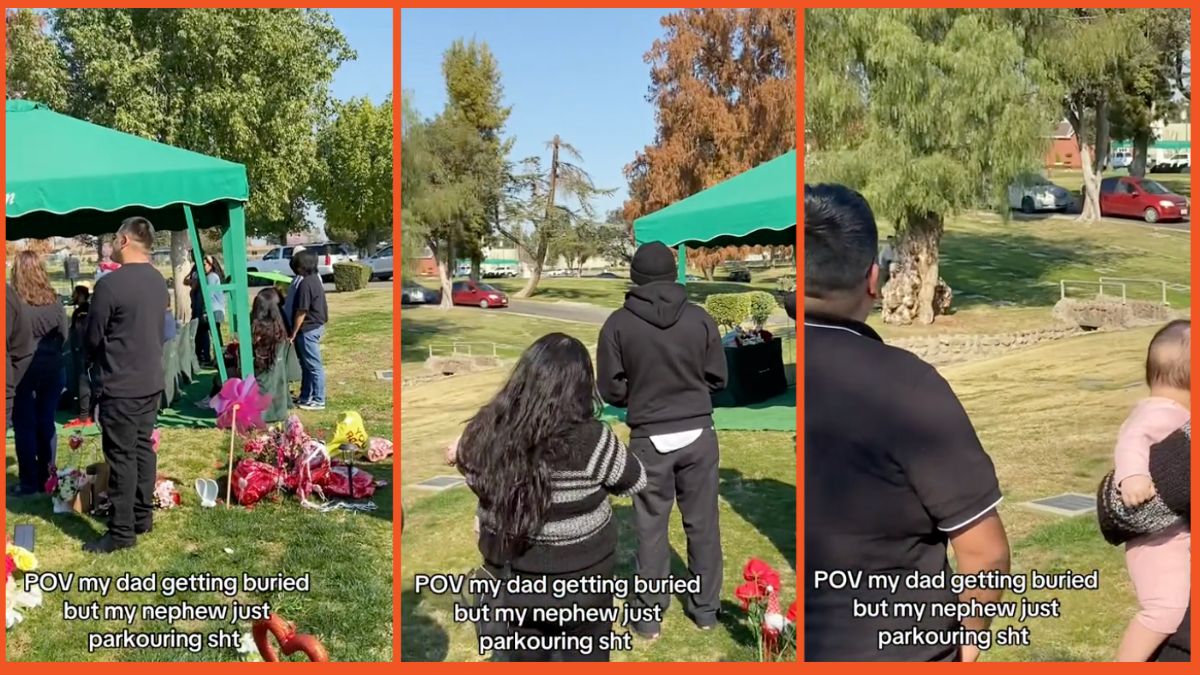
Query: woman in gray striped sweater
[[543, 467]]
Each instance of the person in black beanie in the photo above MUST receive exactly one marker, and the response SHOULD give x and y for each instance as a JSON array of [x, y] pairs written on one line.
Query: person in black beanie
[[660, 357]]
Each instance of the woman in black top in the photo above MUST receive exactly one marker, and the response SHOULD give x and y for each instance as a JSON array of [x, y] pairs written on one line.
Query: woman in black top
[[39, 390], [543, 467]]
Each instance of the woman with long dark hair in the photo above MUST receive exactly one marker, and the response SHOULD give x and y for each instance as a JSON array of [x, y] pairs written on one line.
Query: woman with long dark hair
[[267, 334], [39, 390], [542, 467], [208, 344]]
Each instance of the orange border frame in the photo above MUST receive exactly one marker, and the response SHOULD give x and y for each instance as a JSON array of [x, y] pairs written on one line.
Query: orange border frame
[[800, 6]]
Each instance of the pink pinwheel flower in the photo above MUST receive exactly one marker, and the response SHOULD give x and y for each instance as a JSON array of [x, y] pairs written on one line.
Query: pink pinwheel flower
[[155, 438], [240, 402]]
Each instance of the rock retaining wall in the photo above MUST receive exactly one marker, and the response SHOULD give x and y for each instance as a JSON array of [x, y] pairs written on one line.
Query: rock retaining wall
[[958, 348]]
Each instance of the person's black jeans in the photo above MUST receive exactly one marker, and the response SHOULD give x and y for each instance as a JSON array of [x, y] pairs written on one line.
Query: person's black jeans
[[127, 425], [687, 475], [34, 433]]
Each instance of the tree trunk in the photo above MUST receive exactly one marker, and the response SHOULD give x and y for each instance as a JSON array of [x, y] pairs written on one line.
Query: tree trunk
[[531, 284], [1141, 148], [909, 294], [1102, 150], [180, 268], [445, 274], [476, 268], [283, 239], [539, 258], [1091, 186]]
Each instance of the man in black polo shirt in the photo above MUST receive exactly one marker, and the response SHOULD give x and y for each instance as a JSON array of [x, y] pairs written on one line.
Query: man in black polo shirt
[[893, 469]]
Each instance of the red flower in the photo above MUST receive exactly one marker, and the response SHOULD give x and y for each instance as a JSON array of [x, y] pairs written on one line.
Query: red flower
[[52, 481], [762, 574], [748, 592], [9, 566], [791, 613]]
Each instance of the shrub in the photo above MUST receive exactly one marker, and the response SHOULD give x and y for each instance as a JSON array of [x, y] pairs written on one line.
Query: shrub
[[762, 304], [786, 284], [351, 276], [729, 310]]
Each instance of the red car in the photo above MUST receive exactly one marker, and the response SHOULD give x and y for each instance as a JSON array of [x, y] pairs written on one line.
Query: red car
[[481, 295], [1141, 198]]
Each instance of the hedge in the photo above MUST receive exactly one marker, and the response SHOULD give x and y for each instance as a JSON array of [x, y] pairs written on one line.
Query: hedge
[[762, 304], [351, 276], [729, 310]]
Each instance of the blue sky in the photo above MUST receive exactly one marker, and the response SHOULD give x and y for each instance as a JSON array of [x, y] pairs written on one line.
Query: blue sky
[[577, 73], [369, 32]]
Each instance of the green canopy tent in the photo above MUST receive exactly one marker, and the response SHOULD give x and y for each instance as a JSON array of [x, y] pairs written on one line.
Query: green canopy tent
[[65, 177], [754, 208]]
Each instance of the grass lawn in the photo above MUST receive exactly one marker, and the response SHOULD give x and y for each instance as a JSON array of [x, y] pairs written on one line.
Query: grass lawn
[[1006, 276], [1048, 417], [611, 292], [347, 555], [758, 499]]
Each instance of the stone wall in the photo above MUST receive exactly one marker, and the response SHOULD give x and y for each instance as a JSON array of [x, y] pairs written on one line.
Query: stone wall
[[1098, 313], [958, 348]]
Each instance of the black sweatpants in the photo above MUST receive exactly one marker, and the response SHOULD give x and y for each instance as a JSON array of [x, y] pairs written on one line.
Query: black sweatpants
[[687, 475], [126, 425]]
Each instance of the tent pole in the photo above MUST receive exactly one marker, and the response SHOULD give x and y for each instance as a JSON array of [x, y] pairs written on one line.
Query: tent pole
[[202, 279], [682, 265], [233, 243]]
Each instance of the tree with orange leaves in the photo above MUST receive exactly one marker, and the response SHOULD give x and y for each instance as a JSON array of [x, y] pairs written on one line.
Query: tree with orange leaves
[[723, 82]]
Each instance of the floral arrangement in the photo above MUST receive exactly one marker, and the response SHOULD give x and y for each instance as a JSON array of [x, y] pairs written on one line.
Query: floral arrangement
[[286, 457], [774, 632], [17, 562], [63, 486], [166, 495]]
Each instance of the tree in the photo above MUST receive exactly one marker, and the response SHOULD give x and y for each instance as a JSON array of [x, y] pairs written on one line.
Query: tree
[[616, 239], [925, 111], [723, 84], [35, 69], [474, 92], [577, 245], [353, 186], [538, 207], [1150, 80], [448, 193], [247, 85]]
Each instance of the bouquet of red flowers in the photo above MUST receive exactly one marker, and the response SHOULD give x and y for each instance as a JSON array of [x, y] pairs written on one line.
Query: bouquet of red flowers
[[774, 632]]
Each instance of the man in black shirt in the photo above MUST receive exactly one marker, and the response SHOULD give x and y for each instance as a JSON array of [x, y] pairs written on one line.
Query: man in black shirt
[[310, 312], [892, 473], [125, 340], [660, 356]]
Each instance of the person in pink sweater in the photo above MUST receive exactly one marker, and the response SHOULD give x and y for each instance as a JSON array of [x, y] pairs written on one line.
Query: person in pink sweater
[[1158, 563]]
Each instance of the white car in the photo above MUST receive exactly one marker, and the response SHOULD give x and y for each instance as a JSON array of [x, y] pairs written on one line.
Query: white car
[[381, 264], [1032, 193], [279, 259]]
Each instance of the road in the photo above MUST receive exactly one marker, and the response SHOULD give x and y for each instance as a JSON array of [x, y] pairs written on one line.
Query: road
[[1183, 226], [569, 311]]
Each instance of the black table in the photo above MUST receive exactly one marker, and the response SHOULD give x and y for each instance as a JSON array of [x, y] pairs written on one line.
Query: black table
[[755, 374]]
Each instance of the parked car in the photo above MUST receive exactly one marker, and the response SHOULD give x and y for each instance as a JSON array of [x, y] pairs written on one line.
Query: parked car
[[1176, 163], [740, 275], [1033, 192], [1122, 158], [480, 294], [1141, 198], [501, 271], [693, 277], [607, 275], [279, 259], [381, 264], [558, 273], [412, 293]]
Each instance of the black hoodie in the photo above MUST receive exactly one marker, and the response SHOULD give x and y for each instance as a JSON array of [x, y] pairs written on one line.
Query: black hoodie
[[661, 357]]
